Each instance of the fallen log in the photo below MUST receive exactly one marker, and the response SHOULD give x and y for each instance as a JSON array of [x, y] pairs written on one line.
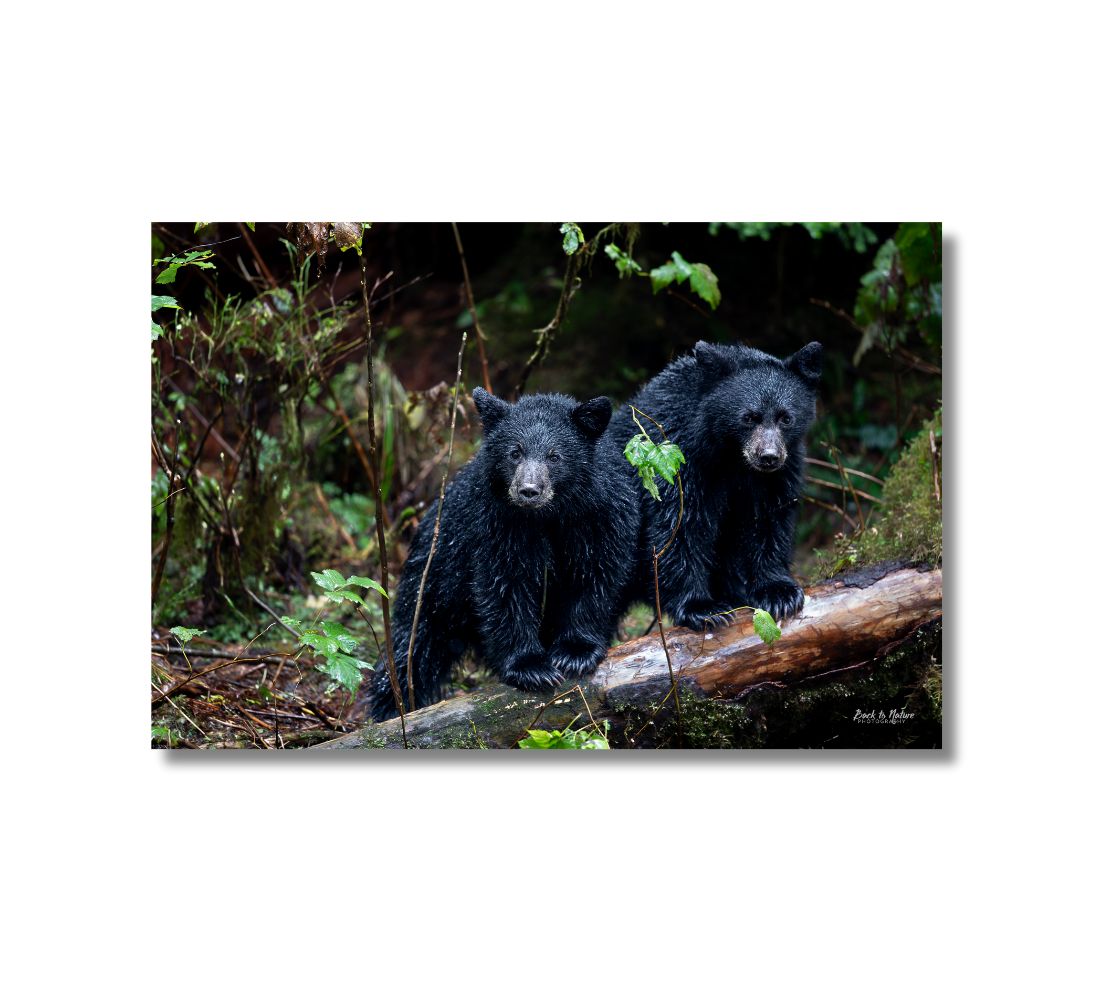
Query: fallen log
[[846, 624]]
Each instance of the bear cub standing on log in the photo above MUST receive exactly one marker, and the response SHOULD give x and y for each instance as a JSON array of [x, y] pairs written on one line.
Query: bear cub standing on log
[[740, 416], [535, 546]]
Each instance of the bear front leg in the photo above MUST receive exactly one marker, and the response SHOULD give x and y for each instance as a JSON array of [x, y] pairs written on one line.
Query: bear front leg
[[508, 606], [763, 553], [684, 575]]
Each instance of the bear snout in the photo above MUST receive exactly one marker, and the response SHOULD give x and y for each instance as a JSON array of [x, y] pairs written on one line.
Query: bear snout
[[531, 485], [765, 450]]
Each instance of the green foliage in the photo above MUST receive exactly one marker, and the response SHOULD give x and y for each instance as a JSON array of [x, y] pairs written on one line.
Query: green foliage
[[184, 634], [908, 524], [854, 235], [338, 589], [623, 261], [162, 302], [573, 237], [588, 738], [195, 258], [650, 459], [333, 645], [700, 278], [900, 297], [165, 736], [765, 627]]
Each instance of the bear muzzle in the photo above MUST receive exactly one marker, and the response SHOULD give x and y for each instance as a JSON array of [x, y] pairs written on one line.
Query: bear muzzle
[[765, 450], [531, 485]]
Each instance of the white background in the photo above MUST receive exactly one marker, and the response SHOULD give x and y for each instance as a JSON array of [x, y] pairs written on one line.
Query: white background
[[986, 869]]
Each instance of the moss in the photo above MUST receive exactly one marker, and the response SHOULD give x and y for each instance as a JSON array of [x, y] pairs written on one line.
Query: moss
[[820, 714], [909, 525]]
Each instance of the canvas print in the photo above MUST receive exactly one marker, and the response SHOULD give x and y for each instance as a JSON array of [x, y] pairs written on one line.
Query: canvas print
[[546, 486]]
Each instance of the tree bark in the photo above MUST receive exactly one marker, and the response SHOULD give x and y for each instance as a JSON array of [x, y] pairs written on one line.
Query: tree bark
[[846, 623]]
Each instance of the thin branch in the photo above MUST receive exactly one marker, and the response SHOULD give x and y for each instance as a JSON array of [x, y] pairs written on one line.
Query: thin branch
[[841, 488], [171, 479], [265, 272], [848, 519], [934, 461], [435, 530], [848, 483], [379, 510], [546, 333], [479, 335], [848, 469]]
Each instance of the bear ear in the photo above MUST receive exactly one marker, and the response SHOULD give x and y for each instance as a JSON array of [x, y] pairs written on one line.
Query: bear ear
[[807, 362], [490, 408], [713, 362], [593, 416]]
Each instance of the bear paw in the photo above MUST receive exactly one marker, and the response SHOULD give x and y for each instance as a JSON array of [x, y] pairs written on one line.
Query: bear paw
[[703, 616], [575, 657], [531, 672], [782, 598]]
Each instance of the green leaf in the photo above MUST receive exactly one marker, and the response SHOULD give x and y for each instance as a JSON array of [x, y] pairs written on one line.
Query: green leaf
[[624, 262], [164, 302], [573, 237], [705, 284], [578, 739], [166, 276], [329, 579], [766, 628], [666, 458], [346, 670], [346, 642], [252, 226], [365, 581], [184, 634], [157, 330], [344, 594], [667, 274], [320, 643], [663, 459], [292, 623]]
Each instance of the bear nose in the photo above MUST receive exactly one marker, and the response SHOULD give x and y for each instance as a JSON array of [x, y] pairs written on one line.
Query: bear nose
[[529, 491], [768, 459]]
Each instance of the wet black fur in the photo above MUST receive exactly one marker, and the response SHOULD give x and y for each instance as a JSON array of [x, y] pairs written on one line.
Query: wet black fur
[[486, 587], [736, 540]]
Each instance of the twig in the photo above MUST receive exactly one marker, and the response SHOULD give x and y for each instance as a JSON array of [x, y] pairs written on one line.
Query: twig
[[848, 483], [673, 678], [435, 529], [546, 333], [479, 335], [933, 463], [322, 501], [379, 510], [657, 554], [180, 711], [848, 519], [340, 413], [841, 488], [265, 272], [197, 414], [171, 479], [848, 469]]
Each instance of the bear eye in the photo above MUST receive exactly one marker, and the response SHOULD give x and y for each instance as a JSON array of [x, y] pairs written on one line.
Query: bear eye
[[785, 419], [751, 417], [515, 451], [553, 456]]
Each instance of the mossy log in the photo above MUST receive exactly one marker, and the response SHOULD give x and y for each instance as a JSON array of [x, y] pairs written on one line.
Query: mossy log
[[846, 623]]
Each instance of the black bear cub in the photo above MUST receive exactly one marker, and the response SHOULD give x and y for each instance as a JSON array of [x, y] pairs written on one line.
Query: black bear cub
[[740, 417], [535, 547]]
